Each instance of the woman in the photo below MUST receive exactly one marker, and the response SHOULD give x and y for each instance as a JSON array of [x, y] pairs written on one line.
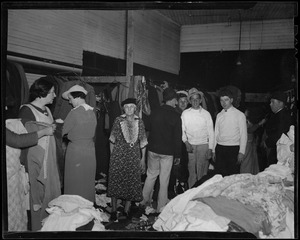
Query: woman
[[17, 181], [80, 162], [41, 159], [127, 162]]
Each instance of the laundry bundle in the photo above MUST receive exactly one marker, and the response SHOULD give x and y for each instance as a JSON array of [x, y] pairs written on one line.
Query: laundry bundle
[[69, 212]]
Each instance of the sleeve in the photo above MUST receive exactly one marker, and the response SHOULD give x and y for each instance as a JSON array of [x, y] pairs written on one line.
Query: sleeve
[[243, 133], [69, 123], [21, 140], [142, 135], [26, 115], [178, 137], [184, 137], [216, 133], [210, 129]]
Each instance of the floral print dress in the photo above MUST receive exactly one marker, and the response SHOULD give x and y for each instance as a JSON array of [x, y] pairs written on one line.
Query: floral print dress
[[124, 178]]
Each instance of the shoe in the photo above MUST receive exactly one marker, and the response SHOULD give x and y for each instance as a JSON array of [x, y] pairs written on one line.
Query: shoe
[[113, 216]]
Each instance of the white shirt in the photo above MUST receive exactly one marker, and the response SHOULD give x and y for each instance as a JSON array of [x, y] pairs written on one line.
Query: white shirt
[[231, 129], [197, 127]]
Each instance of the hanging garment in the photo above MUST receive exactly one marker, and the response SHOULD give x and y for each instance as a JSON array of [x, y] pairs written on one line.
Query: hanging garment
[[13, 91], [17, 183], [114, 109]]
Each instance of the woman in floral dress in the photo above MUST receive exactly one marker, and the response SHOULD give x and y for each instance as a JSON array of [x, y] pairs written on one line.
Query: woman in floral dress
[[127, 162]]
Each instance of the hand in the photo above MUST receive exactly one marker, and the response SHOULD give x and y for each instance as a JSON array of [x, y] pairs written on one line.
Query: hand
[[176, 161], [208, 154], [240, 158], [48, 131], [214, 156], [189, 147], [262, 122], [53, 126]]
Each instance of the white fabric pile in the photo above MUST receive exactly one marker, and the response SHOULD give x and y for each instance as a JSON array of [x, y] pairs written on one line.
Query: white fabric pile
[[264, 190], [69, 212]]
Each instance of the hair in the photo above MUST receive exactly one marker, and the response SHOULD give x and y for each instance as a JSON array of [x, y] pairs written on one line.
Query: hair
[[225, 92], [78, 94], [40, 88]]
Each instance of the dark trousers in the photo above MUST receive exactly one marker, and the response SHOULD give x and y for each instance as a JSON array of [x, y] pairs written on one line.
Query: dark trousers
[[271, 156], [226, 160]]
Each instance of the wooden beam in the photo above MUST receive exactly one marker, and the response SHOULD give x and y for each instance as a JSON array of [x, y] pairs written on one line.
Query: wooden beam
[[129, 45]]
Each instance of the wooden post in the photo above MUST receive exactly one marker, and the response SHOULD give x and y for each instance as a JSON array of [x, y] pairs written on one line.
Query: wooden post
[[129, 48]]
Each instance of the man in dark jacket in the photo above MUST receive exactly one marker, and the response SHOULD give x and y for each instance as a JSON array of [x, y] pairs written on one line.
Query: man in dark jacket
[[278, 123], [164, 147]]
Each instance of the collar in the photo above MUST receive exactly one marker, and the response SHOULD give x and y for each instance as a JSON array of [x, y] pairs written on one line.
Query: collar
[[85, 106]]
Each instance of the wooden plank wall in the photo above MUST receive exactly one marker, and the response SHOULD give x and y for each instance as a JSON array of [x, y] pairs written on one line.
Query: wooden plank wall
[[156, 41], [54, 35], [63, 35], [255, 35]]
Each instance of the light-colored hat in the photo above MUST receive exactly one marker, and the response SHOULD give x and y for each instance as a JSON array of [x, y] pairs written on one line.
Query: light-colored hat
[[182, 93], [192, 92], [75, 88]]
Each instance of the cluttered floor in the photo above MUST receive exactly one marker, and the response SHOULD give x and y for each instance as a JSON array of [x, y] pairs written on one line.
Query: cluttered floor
[[140, 219]]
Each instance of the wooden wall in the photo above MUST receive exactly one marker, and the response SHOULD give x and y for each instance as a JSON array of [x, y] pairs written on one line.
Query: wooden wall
[[63, 35], [255, 35]]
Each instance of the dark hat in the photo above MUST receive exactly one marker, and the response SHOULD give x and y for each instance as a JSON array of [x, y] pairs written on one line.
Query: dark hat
[[169, 94], [128, 101], [279, 95]]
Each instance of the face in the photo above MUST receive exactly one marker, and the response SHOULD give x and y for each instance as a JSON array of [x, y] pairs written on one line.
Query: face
[[50, 96], [174, 102], [195, 101], [72, 100], [129, 109], [182, 103], [275, 105], [226, 102]]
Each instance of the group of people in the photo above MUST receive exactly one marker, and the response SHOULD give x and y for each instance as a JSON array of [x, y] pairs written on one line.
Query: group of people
[[181, 142], [33, 178]]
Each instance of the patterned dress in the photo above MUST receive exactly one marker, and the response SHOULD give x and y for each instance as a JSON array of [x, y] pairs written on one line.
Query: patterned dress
[[124, 179]]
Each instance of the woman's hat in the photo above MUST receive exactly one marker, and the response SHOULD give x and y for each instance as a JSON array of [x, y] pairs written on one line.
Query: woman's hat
[[75, 88], [128, 101], [192, 92], [169, 94], [182, 94]]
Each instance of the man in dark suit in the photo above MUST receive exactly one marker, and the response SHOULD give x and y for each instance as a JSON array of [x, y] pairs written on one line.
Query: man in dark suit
[[278, 123]]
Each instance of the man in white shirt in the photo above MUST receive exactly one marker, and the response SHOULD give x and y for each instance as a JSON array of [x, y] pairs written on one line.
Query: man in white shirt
[[198, 136], [230, 136]]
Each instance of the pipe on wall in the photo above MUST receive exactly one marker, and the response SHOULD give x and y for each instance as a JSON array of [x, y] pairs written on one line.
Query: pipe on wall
[[44, 64]]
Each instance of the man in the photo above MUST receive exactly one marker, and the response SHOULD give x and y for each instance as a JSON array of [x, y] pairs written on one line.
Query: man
[[198, 136], [164, 147], [230, 136], [278, 123], [179, 172]]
